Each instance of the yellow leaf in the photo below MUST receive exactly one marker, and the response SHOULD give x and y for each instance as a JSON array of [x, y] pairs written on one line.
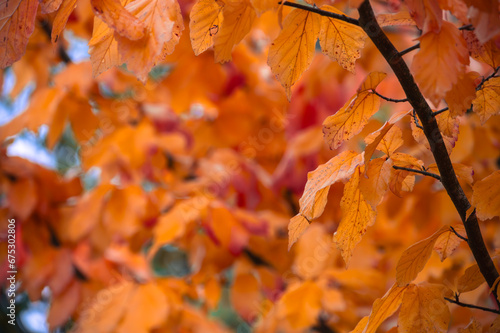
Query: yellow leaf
[[376, 181], [103, 48], [205, 20], [238, 19], [384, 307], [338, 168], [487, 102], [473, 327], [341, 41], [17, 23], [414, 258], [300, 306], [371, 82], [447, 242], [402, 180], [292, 51], [61, 19], [486, 196], [439, 62], [424, 309], [114, 14], [471, 279], [160, 18], [298, 224], [357, 215]]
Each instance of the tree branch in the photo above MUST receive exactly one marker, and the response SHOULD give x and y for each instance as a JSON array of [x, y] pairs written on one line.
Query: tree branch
[[390, 99], [472, 306], [458, 235], [408, 50], [321, 12], [439, 111], [368, 22], [422, 172]]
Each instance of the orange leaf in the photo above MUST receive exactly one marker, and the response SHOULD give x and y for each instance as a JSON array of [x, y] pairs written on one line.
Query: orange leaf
[[471, 279], [161, 18], [384, 307], [238, 19], [402, 180], [341, 41], [463, 172], [354, 115], [486, 196], [459, 98], [17, 23], [114, 14], [487, 101], [205, 20], [399, 18], [387, 140], [301, 305], [297, 226], [487, 52], [357, 215], [414, 258], [495, 325], [292, 52], [374, 184], [447, 242], [49, 6], [424, 309], [103, 48], [63, 305], [245, 296], [61, 18], [339, 168], [22, 197], [440, 61], [426, 14]]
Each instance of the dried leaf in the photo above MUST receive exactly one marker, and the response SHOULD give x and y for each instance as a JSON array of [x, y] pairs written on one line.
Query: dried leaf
[[114, 14], [205, 20], [487, 101], [297, 226], [471, 279]]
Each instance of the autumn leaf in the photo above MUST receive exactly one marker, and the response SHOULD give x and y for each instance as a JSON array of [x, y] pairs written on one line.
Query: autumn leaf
[[238, 19], [292, 51], [103, 48], [470, 280], [448, 242], [486, 52], [392, 19], [49, 6], [354, 115], [374, 184], [297, 226], [459, 98], [424, 309], [300, 306], [414, 258], [426, 14], [439, 62], [487, 101], [383, 308], [114, 14], [339, 40], [486, 196], [160, 18], [62, 16], [339, 168], [357, 215], [17, 23], [205, 20], [402, 180]]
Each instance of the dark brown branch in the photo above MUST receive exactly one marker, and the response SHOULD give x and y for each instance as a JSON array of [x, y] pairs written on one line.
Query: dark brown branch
[[422, 172], [390, 99], [416, 120], [466, 27], [458, 235], [484, 80], [368, 22], [471, 306], [322, 12]]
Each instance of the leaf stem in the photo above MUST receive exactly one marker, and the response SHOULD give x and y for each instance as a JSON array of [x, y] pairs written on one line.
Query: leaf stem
[[484, 80], [422, 172], [390, 99], [321, 12], [472, 306], [440, 111], [408, 50]]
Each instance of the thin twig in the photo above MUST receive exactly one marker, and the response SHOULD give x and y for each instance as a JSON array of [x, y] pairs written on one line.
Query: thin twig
[[322, 12], [458, 235], [422, 172], [408, 50], [484, 80], [390, 99], [466, 27], [440, 111], [472, 306], [416, 120]]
